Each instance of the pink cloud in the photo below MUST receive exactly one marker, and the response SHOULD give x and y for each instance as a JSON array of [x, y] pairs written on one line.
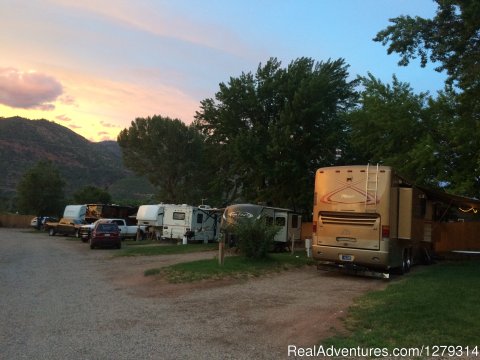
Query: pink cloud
[[72, 126], [28, 90], [107, 125], [63, 118], [67, 100]]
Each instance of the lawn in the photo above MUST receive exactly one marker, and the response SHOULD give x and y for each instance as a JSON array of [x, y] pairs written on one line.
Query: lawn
[[436, 305], [151, 249], [234, 267]]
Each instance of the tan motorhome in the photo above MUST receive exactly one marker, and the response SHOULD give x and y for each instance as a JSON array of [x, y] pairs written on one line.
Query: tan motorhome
[[368, 217]]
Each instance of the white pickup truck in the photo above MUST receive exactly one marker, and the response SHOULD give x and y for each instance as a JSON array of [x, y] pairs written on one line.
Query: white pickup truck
[[126, 231]]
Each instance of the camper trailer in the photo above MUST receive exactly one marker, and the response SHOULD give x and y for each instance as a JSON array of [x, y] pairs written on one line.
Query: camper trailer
[[368, 217], [190, 222], [151, 218], [288, 222]]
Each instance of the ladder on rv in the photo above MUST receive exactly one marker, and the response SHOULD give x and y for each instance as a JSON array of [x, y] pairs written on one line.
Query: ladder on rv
[[371, 189]]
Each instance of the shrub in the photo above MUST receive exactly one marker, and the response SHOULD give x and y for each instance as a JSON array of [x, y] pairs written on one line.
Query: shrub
[[254, 237]]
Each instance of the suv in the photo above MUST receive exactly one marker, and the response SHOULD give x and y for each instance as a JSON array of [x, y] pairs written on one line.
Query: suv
[[105, 234]]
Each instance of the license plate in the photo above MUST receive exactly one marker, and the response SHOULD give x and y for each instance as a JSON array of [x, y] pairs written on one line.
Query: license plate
[[107, 235], [346, 257]]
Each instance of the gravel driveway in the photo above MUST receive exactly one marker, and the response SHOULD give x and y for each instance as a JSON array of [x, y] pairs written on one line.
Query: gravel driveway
[[60, 300]]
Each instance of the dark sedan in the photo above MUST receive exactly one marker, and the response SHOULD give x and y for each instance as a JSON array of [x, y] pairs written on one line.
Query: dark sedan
[[105, 234]]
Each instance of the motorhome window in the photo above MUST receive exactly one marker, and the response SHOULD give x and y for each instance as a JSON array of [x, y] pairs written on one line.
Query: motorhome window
[[294, 221], [199, 218], [280, 221], [178, 216]]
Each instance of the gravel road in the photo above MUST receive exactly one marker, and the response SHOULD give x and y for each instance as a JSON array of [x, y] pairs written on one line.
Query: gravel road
[[60, 300]]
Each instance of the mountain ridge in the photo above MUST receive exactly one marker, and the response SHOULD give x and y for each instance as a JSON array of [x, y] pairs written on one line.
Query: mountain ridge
[[24, 142]]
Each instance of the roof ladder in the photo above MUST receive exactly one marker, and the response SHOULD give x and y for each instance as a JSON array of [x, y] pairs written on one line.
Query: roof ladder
[[371, 189]]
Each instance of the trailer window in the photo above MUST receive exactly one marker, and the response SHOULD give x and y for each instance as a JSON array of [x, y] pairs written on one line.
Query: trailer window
[[199, 218], [178, 216], [269, 220], [280, 221]]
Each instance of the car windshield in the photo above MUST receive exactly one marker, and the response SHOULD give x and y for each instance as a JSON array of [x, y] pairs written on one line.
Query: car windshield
[[107, 227]]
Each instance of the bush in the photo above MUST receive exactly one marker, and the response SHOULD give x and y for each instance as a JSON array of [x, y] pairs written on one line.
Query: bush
[[254, 237]]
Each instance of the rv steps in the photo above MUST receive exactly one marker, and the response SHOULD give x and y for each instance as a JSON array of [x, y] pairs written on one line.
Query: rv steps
[[371, 189]]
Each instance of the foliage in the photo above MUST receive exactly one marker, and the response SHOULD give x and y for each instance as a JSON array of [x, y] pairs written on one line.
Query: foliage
[[40, 191], [390, 126], [169, 153], [401, 315], [451, 40], [254, 237], [92, 195], [268, 132]]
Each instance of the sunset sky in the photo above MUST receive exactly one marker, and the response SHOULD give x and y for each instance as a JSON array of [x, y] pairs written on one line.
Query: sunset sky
[[95, 66]]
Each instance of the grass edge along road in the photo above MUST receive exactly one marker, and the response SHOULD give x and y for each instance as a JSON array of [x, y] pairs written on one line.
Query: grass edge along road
[[234, 267], [147, 249], [432, 306]]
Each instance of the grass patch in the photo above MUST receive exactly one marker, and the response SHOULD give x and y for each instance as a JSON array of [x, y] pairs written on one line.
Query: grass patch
[[234, 267], [437, 305], [152, 249]]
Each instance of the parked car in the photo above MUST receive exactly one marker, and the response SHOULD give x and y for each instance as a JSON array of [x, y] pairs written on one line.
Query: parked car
[[105, 234], [43, 220], [65, 226], [126, 231]]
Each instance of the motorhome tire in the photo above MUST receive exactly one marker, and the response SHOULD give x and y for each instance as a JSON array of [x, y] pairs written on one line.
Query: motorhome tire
[[426, 257], [404, 267], [408, 261]]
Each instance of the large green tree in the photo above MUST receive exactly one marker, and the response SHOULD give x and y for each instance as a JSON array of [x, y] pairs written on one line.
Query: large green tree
[[394, 126], [269, 131], [451, 40], [92, 195], [169, 153], [40, 191]]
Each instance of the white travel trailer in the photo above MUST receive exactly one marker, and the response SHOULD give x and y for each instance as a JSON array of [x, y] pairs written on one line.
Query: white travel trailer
[[195, 223], [288, 222], [368, 217], [170, 221]]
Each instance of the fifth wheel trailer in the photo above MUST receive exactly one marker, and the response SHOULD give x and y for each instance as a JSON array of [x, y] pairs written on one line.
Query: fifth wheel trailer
[[368, 217]]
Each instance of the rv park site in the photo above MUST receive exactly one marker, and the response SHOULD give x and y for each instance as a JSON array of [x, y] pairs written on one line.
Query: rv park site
[[67, 301]]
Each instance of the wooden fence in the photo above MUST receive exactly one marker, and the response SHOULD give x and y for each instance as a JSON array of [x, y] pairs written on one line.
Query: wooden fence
[[456, 236], [15, 221]]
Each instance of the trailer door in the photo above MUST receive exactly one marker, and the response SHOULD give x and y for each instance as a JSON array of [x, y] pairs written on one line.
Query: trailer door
[[281, 221]]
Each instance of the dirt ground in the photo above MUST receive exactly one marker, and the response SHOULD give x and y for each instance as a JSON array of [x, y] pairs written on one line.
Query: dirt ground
[[298, 307]]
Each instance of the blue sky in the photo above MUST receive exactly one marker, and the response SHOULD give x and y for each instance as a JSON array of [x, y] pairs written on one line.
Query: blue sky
[[96, 65]]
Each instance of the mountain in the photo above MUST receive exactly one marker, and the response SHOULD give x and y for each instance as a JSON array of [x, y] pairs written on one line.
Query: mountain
[[81, 162]]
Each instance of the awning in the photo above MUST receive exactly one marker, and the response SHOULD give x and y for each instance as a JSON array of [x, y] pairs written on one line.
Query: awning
[[460, 201]]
